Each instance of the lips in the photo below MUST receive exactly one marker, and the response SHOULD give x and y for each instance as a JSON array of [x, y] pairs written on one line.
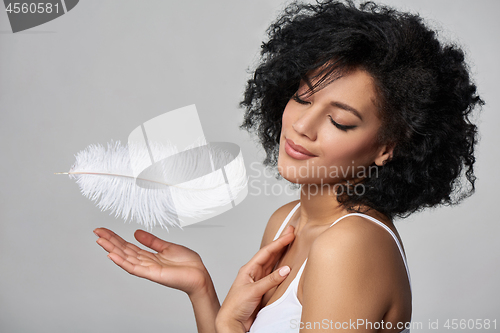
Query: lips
[[296, 151], [299, 148]]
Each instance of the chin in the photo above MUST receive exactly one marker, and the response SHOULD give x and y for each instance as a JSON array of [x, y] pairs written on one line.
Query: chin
[[292, 173]]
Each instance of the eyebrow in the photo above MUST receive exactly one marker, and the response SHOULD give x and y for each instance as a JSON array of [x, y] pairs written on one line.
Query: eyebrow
[[347, 108]]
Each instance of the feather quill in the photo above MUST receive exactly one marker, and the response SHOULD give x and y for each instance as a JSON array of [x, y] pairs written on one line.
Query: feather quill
[[106, 176]]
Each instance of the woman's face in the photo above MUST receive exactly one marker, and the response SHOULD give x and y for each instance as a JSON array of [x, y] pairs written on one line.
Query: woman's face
[[338, 126]]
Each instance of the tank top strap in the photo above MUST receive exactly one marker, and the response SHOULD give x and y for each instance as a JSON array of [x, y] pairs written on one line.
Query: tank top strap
[[280, 230], [388, 230], [289, 216], [295, 283], [302, 268]]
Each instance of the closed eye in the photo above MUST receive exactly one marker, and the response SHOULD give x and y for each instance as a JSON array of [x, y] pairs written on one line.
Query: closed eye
[[341, 127], [297, 99]]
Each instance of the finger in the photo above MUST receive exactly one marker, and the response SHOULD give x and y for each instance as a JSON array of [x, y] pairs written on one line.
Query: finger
[[130, 267], [270, 281], [270, 252], [112, 248], [111, 242], [108, 234], [143, 255], [114, 238], [127, 248], [152, 241], [288, 229]]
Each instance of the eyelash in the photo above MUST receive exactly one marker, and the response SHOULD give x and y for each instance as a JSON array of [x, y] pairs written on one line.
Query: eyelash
[[344, 128], [341, 127], [297, 99]]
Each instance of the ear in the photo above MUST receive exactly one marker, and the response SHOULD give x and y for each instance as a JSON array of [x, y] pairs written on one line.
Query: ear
[[385, 154]]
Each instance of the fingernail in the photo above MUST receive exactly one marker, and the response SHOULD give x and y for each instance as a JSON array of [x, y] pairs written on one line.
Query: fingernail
[[96, 234], [284, 270]]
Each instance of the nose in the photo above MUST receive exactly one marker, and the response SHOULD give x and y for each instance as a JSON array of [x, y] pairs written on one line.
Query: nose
[[308, 122]]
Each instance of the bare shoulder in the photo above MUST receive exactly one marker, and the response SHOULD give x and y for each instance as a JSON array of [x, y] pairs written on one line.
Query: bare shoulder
[[275, 222], [359, 262], [359, 241]]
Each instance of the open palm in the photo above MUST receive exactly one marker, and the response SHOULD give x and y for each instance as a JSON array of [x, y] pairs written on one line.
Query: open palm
[[172, 265]]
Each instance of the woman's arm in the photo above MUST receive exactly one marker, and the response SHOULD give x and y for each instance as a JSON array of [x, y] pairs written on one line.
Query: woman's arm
[[254, 279], [205, 306], [171, 265], [357, 266], [178, 267]]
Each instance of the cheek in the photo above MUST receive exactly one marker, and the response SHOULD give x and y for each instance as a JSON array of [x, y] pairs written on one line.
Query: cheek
[[343, 149], [286, 120]]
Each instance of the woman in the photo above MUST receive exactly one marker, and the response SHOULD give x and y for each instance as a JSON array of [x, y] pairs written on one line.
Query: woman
[[369, 113]]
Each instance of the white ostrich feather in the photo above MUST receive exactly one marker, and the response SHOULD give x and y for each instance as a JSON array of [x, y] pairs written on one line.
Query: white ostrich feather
[[159, 196]]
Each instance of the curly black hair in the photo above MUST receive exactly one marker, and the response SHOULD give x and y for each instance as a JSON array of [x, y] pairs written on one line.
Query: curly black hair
[[425, 97]]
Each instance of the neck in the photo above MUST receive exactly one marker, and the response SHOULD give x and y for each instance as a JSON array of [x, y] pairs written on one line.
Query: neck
[[318, 206]]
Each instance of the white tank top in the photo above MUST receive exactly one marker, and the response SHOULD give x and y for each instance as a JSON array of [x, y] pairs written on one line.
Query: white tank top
[[284, 314]]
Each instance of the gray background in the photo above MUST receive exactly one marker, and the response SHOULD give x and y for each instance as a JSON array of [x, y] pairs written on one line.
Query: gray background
[[104, 68]]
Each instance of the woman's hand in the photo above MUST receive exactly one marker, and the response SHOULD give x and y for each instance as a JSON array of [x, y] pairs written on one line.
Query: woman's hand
[[254, 279], [172, 265]]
